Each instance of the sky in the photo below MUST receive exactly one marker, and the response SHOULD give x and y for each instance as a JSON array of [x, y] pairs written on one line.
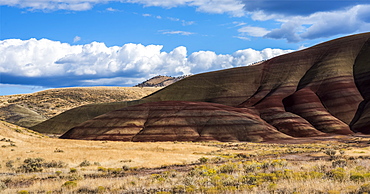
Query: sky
[[67, 43]]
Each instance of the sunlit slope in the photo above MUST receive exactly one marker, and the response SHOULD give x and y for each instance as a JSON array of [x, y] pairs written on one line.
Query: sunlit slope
[[20, 115], [306, 93]]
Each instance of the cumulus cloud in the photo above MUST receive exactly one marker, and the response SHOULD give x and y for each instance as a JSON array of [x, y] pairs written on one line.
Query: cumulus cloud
[[323, 24], [51, 63]]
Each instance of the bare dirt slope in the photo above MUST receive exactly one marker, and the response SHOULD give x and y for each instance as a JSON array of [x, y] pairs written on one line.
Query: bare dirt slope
[[40, 106]]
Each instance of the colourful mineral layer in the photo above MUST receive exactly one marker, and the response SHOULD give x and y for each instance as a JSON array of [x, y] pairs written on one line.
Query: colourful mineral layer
[[321, 90]]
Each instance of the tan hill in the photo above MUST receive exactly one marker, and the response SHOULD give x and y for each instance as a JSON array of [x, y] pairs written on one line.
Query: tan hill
[[20, 115], [16, 133], [39, 106], [160, 81], [313, 92]]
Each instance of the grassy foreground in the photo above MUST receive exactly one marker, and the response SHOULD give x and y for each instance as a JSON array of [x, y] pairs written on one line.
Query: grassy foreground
[[32, 163]]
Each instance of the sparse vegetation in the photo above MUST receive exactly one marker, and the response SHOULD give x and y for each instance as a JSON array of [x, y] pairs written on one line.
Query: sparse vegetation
[[216, 168]]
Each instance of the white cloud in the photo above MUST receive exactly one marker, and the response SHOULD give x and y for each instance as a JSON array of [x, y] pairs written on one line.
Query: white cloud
[[187, 23], [96, 64], [184, 33], [112, 9], [253, 31], [76, 39], [147, 15], [234, 7], [322, 24], [298, 23], [239, 24]]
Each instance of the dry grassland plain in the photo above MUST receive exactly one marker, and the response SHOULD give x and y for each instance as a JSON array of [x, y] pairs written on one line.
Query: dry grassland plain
[[33, 163]]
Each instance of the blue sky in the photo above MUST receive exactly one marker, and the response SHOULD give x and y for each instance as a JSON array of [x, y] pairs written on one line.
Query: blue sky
[[65, 43]]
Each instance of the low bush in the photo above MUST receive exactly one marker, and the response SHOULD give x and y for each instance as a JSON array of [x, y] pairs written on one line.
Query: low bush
[[85, 163], [70, 184], [31, 165]]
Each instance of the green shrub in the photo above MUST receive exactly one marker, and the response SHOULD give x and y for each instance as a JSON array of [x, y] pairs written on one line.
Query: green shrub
[[357, 177], [337, 174], [54, 164], [365, 188], [58, 173], [125, 168], [102, 169], [74, 177], [178, 189], [85, 163], [101, 189], [31, 165], [228, 168], [9, 164], [339, 163], [72, 170], [23, 192], [330, 152], [203, 160], [70, 184], [115, 170]]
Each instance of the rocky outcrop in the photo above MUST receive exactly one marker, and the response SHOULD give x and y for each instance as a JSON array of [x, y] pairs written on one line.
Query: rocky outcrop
[[321, 90]]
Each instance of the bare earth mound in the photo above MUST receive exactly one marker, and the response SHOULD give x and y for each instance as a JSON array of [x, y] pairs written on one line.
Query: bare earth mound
[[177, 121], [321, 90]]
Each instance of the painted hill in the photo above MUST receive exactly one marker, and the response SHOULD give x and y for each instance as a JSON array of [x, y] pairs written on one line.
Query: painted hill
[[177, 121], [30, 109], [320, 90], [160, 81]]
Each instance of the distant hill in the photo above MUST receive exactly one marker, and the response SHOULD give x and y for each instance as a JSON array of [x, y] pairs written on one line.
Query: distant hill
[[160, 81], [29, 109]]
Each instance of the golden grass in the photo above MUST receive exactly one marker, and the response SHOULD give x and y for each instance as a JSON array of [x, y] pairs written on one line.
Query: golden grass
[[107, 153], [111, 157]]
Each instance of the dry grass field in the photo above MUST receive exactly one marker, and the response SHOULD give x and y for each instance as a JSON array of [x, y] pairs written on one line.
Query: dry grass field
[[33, 163]]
